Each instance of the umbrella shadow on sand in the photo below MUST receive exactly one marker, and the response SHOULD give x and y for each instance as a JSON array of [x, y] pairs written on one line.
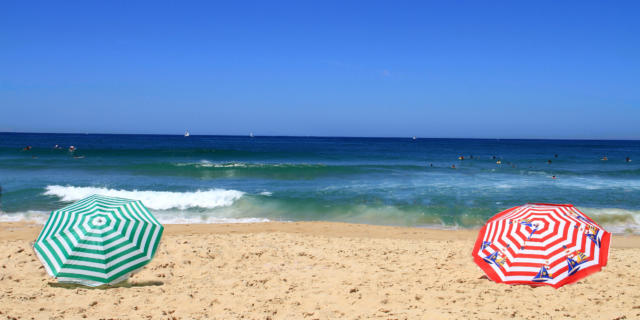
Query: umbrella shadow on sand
[[124, 284]]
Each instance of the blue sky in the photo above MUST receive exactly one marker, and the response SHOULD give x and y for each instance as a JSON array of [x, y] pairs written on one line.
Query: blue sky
[[511, 69]]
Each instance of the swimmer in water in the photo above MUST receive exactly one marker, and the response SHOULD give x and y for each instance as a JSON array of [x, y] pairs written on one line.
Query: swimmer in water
[[604, 158], [498, 162], [431, 165], [548, 161], [493, 157], [461, 158], [72, 149], [627, 159], [553, 177], [453, 166], [27, 148], [555, 155]]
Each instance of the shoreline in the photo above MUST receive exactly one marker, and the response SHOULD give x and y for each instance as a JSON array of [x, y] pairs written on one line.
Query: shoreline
[[29, 231], [311, 270]]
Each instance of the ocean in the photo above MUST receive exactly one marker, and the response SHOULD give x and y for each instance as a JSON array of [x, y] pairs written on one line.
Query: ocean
[[386, 181]]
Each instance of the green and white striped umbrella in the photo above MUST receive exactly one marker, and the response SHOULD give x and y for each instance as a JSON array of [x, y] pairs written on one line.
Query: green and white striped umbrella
[[98, 240]]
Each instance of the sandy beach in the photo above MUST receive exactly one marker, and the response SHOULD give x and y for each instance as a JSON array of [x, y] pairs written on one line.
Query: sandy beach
[[311, 270]]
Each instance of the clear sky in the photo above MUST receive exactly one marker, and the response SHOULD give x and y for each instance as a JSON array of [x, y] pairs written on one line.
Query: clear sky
[[495, 69]]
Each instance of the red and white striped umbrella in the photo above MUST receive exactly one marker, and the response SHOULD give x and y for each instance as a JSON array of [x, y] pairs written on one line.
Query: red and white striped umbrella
[[541, 244]]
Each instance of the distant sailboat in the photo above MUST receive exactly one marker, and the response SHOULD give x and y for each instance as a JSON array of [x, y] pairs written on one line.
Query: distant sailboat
[[251, 135], [186, 133], [414, 137]]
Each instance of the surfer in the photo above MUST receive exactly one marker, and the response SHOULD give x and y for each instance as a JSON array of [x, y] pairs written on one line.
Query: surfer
[[627, 159], [27, 148], [72, 149], [461, 158]]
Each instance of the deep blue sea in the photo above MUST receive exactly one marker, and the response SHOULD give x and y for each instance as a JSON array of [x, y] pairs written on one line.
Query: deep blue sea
[[388, 181]]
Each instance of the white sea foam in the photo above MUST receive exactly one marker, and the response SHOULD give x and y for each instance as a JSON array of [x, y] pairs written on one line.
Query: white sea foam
[[40, 217], [198, 220], [615, 220], [29, 216], [158, 200], [209, 164], [230, 165]]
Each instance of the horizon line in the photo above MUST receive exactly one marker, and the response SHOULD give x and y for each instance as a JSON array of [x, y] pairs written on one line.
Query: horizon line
[[315, 136]]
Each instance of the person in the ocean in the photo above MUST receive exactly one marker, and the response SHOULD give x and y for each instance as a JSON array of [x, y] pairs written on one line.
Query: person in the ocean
[[453, 166], [498, 162], [553, 177], [555, 155], [471, 157], [430, 164], [27, 148], [604, 158], [627, 159], [72, 149], [493, 157], [549, 161]]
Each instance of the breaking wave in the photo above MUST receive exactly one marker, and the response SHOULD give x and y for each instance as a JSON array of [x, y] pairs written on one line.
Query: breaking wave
[[158, 200]]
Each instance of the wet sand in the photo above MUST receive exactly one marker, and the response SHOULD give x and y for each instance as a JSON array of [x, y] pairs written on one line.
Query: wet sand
[[311, 270]]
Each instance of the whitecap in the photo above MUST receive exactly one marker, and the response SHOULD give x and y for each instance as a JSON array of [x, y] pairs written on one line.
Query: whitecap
[[158, 200]]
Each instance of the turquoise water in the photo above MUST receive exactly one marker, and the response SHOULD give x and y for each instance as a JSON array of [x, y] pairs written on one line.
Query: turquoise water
[[391, 181]]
